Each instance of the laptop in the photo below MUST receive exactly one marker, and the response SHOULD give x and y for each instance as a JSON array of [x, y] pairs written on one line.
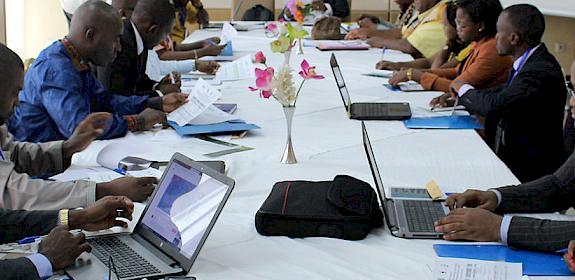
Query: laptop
[[368, 111], [407, 218], [171, 231]]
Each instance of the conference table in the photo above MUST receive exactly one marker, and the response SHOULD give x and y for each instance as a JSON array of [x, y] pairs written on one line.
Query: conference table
[[326, 143]]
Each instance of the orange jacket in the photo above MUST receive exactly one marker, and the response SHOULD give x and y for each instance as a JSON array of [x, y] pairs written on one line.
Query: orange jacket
[[484, 68]]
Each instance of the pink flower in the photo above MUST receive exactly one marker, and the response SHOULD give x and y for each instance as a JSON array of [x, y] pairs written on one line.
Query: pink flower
[[260, 57], [271, 27], [308, 72], [264, 80]]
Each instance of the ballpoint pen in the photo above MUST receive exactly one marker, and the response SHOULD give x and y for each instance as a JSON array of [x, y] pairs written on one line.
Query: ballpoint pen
[[172, 78], [383, 52], [29, 239]]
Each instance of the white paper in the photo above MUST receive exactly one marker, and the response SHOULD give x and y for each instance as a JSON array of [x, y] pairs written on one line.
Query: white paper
[[219, 58], [201, 98], [240, 69], [77, 173], [114, 152], [212, 115], [190, 84], [228, 33], [149, 172], [104, 176], [464, 269]]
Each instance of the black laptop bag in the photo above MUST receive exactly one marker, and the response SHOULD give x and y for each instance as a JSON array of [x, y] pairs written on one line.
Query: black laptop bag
[[345, 208]]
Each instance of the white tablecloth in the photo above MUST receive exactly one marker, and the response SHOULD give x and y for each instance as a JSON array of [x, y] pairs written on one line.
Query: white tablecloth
[[327, 143]]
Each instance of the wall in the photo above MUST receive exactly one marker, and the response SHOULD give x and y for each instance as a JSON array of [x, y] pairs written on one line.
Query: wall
[[561, 30], [2, 23]]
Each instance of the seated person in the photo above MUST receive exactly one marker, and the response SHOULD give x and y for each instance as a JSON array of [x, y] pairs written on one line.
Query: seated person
[[148, 26], [366, 30], [480, 215], [484, 68], [169, 51], [524, 117], [19, 161], [320, 8], [190, 16], [423, 35], [452, 54], [60, 248], [60, 90]]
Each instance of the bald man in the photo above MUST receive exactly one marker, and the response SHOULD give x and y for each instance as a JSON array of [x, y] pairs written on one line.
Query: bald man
[[60, 90], [149, 24], [19, 160]]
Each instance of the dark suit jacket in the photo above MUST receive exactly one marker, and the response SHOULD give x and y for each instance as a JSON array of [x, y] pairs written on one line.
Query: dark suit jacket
[[547, 194], [524, 120], [127, 73], [16, 224]]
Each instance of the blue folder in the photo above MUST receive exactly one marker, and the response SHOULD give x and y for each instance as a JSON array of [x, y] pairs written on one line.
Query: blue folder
[[534, 263], [229, 126], [449, 122], [228, 50]]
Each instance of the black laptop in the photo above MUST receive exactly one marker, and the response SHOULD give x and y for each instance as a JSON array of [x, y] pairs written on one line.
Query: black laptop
[[368, 111]]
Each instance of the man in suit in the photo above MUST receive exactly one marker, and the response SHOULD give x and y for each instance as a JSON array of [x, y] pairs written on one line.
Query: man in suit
[[150, 23], [60, 248], [19, 160], [524, 117]]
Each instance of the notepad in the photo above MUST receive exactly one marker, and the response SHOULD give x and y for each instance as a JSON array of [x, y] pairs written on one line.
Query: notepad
[[448, 122], [534, 263], [231, 126]]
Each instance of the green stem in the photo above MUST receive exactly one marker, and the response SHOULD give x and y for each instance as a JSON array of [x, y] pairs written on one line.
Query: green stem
[[298, 90]]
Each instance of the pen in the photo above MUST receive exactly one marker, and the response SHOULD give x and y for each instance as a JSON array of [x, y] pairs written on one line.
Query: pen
[[120, 171], [562, 251], [172, 77], [27, 240], [383, 52]]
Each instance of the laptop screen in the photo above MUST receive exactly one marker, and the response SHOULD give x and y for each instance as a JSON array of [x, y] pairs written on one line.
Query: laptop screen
[[185, 207], [340, 83]]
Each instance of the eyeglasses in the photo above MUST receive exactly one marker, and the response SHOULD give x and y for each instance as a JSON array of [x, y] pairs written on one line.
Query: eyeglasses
[[112, 268]]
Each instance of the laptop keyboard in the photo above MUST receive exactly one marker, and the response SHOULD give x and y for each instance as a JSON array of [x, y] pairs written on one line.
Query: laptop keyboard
[[421, 214], [128, 263], [373, 109]]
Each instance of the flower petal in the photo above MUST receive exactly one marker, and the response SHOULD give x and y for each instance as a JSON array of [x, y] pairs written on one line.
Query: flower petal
[[305, 66]]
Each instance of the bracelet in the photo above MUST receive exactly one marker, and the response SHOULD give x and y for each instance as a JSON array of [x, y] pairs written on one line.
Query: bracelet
[[63, 217], [409, 74]]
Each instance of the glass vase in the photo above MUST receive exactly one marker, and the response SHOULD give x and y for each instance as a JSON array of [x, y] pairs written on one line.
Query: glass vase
[[289, 155]]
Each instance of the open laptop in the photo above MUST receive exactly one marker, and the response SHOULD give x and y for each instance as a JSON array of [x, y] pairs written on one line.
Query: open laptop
[[171, 231], [407, 218], [368, 111]]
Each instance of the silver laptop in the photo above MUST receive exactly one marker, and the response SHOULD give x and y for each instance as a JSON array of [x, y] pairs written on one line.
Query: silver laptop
[[171, 231], [405, 218], [368, 111]]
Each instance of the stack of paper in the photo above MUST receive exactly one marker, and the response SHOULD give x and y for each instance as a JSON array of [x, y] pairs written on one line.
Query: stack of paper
[[240, 69], [459, 269]]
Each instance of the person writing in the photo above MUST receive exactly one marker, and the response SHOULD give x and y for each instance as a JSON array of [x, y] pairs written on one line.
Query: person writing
[[60, 90]]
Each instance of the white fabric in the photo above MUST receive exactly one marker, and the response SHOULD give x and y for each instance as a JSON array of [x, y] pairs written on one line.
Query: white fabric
[[326, 144], [139, 41], [157, 69]]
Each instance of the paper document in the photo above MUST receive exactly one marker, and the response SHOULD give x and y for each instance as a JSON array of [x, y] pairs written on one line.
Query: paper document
[[240, 69], [149, 172], [212, 115], [104, 176], [461, 269], [202, 96], [228, 33]]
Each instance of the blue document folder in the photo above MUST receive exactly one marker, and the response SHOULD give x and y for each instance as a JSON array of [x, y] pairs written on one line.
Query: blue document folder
[[228, 50], [229, 126], [449, 122], [534, 263]]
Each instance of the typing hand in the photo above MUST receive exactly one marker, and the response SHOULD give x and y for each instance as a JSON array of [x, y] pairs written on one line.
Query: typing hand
[[90, 128], [62, 248], [474, 224], [208, 67], [102, 214], [387, 65], [569, 257], [473, 198], [444, 100], [136, 189], [173, 101]]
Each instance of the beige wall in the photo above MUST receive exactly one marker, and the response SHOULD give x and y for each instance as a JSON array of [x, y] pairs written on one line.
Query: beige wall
[[44, 22], [2, 23]]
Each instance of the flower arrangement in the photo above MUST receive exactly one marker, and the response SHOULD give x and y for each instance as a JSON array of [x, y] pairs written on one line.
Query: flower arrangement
[[299, 10], [281, 86], [286, 35]]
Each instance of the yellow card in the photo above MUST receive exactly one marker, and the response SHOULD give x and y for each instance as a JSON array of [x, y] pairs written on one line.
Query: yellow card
[[434, 190]]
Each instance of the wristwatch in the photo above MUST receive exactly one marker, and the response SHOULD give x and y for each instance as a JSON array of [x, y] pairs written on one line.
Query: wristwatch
[[63, 217]]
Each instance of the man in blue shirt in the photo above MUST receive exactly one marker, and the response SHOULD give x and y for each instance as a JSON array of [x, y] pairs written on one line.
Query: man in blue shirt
[[60, 90]]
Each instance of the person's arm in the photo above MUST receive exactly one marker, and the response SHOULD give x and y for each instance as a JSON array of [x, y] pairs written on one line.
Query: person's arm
[[364, 33], [526, 88], [24, 268], [540, 235], [428, 38], [441, 58], [437, 79], [66, 103], [395, 44], [550, 193], [17, 224]]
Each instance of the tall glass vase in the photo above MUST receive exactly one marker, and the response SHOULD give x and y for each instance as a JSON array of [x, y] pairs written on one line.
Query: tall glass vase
[[289, 155], [299, 47], [287, 56]]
